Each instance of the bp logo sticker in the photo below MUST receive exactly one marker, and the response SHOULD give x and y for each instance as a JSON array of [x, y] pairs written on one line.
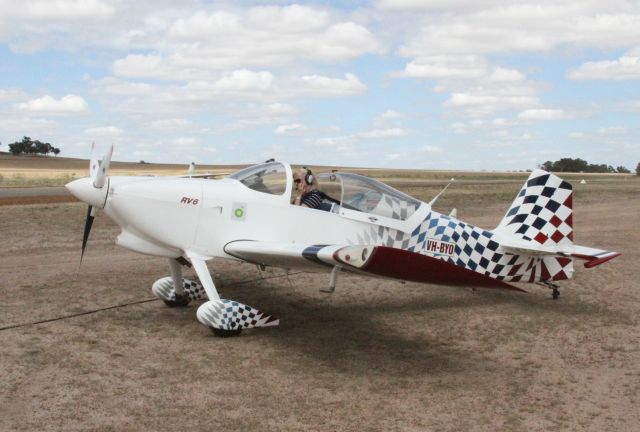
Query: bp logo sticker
[[239, 211]]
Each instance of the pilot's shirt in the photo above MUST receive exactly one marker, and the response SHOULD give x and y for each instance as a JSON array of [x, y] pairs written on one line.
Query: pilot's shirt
[[311, 199]]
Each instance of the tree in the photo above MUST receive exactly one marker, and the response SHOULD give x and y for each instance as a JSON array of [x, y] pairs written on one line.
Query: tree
[[638, 169], [547, 166], [623, 170], [580, 165], [28, 146]]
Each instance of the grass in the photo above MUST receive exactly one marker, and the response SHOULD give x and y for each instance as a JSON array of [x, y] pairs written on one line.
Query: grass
[[29, 180], [56, 171]]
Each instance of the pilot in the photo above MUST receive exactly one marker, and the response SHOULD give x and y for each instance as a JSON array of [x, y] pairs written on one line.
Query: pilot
[[306, 189]]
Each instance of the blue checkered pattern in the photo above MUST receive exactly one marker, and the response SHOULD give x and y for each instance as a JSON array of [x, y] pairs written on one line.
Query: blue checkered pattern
[[475, 248], [163, 288], [231, 315]]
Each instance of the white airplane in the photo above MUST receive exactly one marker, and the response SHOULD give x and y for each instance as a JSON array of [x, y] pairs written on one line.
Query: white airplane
[[363, 226]]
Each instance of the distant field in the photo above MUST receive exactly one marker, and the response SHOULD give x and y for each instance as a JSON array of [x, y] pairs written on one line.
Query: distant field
[[21, 171], [56, 171]]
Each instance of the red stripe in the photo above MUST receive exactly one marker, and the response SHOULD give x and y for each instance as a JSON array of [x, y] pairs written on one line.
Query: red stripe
[[410, 266]]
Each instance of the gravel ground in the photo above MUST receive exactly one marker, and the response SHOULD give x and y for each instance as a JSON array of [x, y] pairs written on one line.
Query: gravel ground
[[375, 355]]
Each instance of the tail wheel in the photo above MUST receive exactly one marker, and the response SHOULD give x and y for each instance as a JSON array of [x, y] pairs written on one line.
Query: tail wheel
[[226, 333]]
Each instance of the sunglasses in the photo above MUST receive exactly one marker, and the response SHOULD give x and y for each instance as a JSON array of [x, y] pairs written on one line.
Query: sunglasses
[[297, 181]]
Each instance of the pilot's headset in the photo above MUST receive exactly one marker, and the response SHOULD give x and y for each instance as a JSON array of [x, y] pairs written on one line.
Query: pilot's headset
[[308, 177]]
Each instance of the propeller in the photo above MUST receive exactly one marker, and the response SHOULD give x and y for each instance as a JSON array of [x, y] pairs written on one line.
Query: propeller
[[98, 173], [91, 213]]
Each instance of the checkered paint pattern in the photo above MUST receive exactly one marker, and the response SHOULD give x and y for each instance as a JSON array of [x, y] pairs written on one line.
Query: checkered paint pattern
[[163, 288], [475, 248], [231, 315], [394, 208], [542, 211]]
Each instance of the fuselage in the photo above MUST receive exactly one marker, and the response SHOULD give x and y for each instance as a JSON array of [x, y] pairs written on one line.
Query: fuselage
[[169, 216]]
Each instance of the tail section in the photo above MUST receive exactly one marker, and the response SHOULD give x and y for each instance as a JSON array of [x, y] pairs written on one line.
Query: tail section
[[542, 212], [539, 225]]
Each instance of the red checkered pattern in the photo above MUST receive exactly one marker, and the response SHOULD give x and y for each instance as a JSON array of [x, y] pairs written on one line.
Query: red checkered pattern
[[542, 211]]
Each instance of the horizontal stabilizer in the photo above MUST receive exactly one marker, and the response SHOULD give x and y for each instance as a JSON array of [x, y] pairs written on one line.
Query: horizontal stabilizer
[[593, 256]]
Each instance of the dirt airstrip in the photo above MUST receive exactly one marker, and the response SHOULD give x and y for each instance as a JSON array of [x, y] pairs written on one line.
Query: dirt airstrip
[[375, 355]]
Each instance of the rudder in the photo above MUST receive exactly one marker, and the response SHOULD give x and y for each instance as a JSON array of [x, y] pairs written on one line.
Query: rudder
[[542, 211]]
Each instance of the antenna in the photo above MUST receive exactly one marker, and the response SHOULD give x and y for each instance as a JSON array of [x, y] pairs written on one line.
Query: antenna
[[441, 192]]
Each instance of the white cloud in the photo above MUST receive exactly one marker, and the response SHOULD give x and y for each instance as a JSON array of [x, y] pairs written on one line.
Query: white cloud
[[577, 135], [452, 44], [524, 26], [280, 109], [476, 86], [253, 115], [431, 149], [390, 115], [613, 130], [384, 133], [104, 131], [19, 125], [10, 95], [56, 10], [184, 142], [627, 67], [242, 80], [459, 128], [168, 124], [484, 100], [323, 86], [69, 104], [136, 66], [445, 67], [441, 5], [543, 114], [374, 134], [387, 119], [293, 129], [207, 42]]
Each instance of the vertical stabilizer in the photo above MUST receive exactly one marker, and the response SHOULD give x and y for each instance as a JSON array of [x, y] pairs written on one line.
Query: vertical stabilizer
[[542, 211]]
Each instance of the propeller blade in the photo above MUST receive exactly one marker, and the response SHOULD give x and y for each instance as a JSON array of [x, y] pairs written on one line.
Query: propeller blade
[[91, 212], [93, 162], [101, 177]]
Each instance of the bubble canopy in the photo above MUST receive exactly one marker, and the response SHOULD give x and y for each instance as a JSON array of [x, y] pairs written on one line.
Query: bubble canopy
[[364, 194]]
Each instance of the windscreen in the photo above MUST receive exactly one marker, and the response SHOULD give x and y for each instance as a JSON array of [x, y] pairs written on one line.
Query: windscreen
[[270, 178]]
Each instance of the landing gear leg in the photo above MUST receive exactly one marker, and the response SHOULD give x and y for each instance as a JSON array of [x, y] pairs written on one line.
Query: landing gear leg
[[226, 317], [555, 292], [176, 275]]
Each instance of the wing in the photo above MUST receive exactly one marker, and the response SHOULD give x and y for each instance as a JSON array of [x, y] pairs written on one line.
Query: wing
[[371, 260]]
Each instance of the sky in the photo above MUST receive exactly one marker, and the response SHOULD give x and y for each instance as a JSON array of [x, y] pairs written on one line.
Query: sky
[[423, 84]]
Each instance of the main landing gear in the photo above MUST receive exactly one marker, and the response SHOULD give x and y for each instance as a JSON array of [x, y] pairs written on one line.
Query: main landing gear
[[555, 292], [225, 318]]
